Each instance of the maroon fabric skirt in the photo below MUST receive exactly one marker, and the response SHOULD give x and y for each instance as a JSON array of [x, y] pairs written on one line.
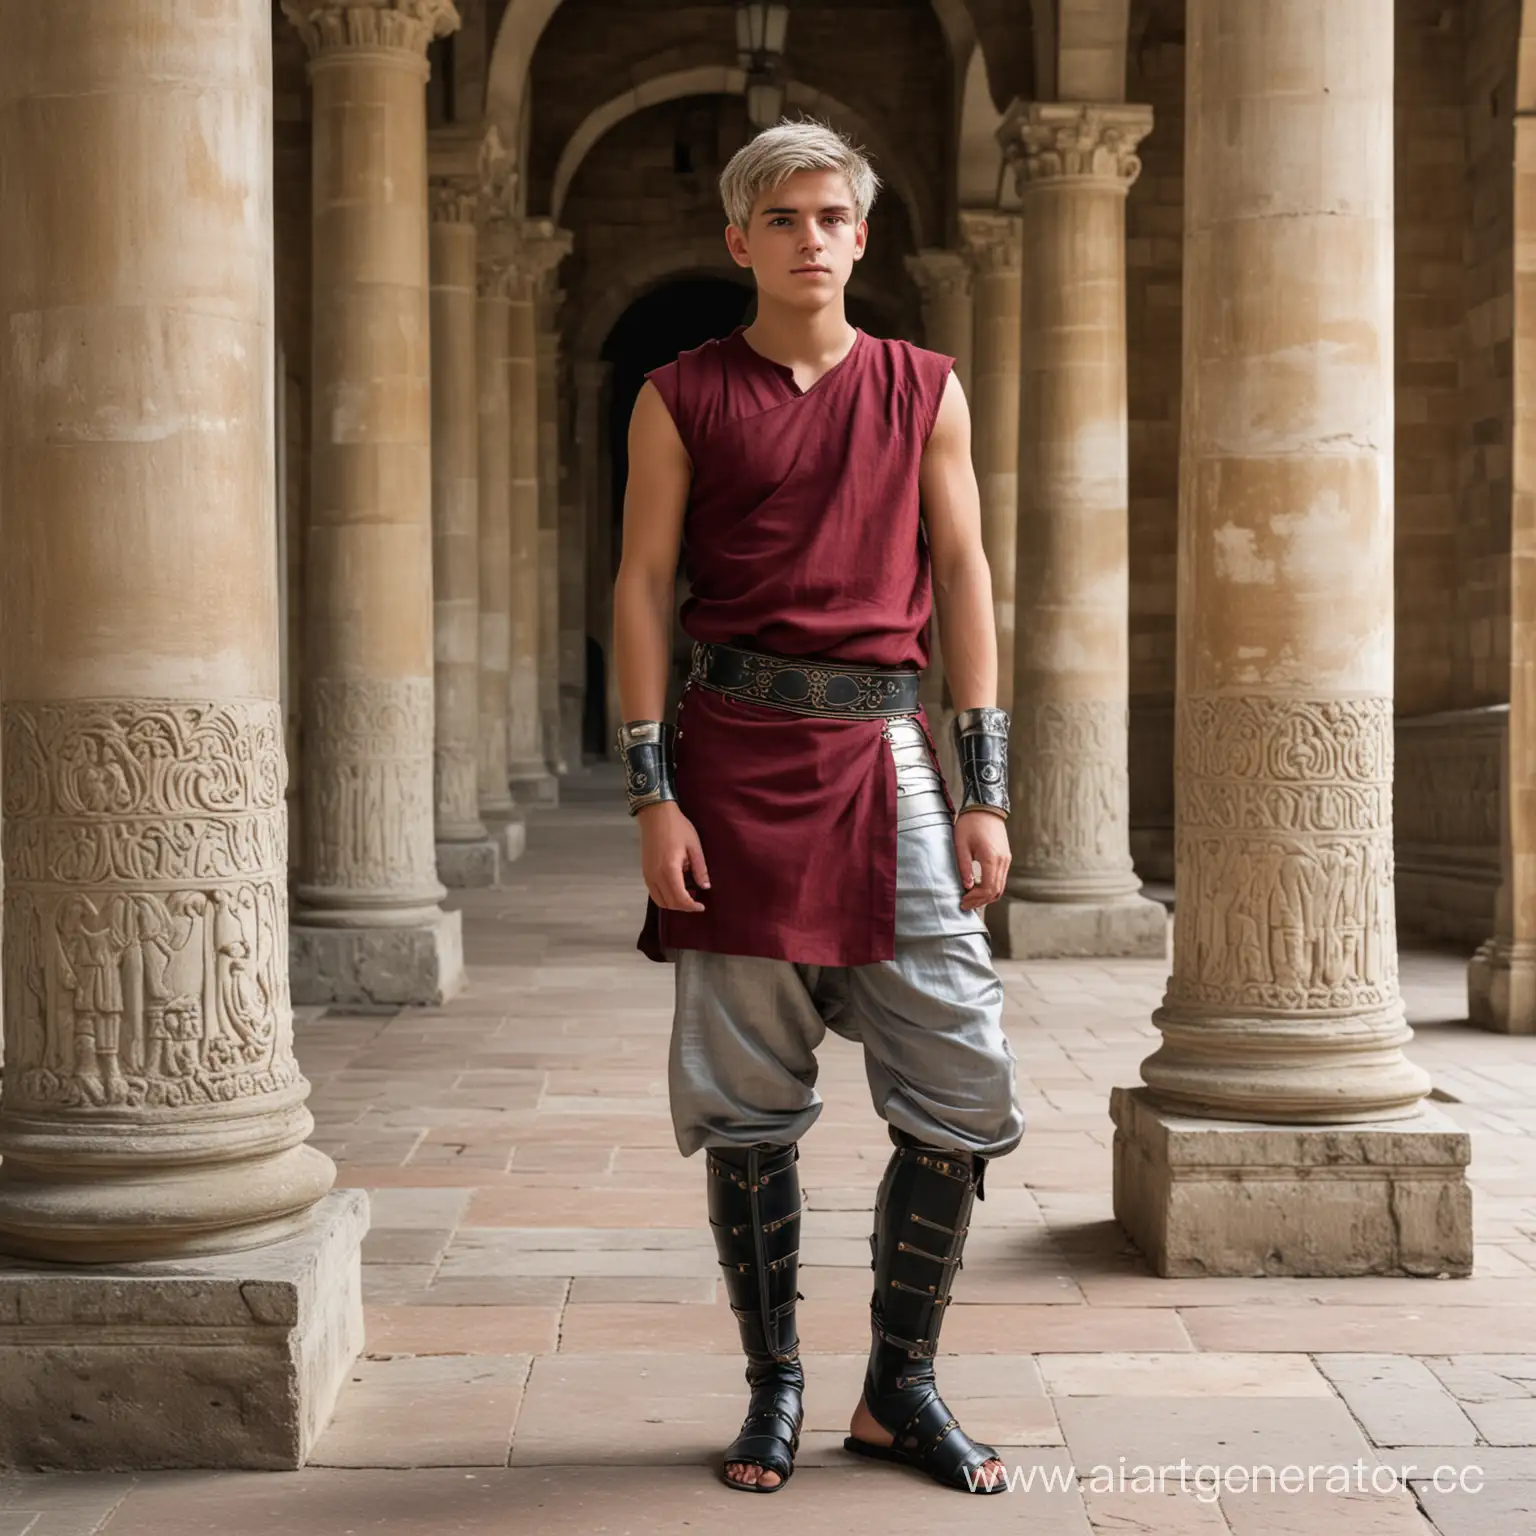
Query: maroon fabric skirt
[[797, 819]]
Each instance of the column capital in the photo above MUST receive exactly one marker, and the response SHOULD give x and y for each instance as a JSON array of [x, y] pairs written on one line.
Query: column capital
[[992, 239], [518, 258], [473, 175], [402, 26], [940, 274], [454, 199], [1054, 141], [544, 246]]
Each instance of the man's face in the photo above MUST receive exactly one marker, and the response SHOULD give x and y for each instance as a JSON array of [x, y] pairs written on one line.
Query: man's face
[[802, 239]]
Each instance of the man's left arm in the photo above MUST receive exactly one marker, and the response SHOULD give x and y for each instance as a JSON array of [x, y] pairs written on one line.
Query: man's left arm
[[962, 594]]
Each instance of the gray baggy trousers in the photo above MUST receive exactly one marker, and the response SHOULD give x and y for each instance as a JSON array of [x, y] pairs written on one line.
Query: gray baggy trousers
[[745, 1029]]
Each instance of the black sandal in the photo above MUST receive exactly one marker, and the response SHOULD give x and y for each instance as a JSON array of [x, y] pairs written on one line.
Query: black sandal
[[770, 1433], [754, 1212], [921, 1219]]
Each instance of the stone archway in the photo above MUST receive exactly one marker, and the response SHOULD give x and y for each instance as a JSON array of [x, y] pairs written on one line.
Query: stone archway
[[524, 21], [712, 80]]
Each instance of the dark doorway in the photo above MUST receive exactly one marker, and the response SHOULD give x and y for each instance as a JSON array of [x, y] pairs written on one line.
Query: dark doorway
[[594, 719], [673, 318]]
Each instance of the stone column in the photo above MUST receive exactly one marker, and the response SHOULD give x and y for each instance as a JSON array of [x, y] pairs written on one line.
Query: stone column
[[593, 486], [943, 281], [1501, 979], [1283, 1007], [369, 928], [465, 855], [1072, 890], [548, 385], [497, 279], [991, 241], [573, 596], [151, 1107], [540, 249]]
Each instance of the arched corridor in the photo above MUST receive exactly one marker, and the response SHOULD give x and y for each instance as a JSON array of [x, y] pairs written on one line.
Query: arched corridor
[[333, 1105]]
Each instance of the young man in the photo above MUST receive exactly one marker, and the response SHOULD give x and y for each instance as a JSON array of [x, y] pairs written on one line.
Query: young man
[[805, 867]]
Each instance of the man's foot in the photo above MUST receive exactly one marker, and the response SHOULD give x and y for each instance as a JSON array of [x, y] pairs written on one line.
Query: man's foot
[[750, 1475], [762, 1457], [864, 1426]]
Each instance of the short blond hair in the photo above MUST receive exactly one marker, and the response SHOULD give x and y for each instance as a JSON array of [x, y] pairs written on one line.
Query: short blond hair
[[769, 160]]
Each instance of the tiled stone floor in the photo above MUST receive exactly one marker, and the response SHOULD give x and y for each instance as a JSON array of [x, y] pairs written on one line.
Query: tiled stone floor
[[548, 1351]]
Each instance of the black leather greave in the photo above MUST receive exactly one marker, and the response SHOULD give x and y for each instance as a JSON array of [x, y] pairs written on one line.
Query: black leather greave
[[754, 1212], [922, 1214]]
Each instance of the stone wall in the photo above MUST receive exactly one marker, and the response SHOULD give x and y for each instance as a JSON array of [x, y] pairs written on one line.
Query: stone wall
[[1480, 655], [1445, 823], [1431, 197], [291, 259], [1154, 258]]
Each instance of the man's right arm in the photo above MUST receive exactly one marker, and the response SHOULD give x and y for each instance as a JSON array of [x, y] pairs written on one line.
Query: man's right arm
[[655, 500]]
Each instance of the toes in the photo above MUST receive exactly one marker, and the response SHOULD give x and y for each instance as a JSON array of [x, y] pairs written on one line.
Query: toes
[[742, 1472], [768, 1479]]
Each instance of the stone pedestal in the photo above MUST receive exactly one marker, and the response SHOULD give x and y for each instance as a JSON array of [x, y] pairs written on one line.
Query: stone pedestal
[[1283, 1007], [1045, 930], [419, 962], [231, 1362], [1070, 827], [1501, 986], [1210, 1197], [992, 243], [369, 872]]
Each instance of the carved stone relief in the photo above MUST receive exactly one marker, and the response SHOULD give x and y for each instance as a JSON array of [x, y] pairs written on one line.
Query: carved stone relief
[[409, 25], [1043, 140], [1284, 849], [993, 242], [370, 828], [1071, 791], [145, 944], [456, 776]]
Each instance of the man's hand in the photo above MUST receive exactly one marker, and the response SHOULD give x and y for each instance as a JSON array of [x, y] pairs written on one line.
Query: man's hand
[[981, 837], [669, 850]]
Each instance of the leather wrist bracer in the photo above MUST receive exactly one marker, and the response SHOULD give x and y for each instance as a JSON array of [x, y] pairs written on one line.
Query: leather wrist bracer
[[647, 747], [981, 740]]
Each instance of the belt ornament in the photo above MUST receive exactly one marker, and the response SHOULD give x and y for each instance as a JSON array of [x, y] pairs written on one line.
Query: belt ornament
[[827, 689]]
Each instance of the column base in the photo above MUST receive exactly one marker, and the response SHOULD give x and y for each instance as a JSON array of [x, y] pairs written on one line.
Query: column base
[[423, 963], [229, 1362], [1501, 987], [1231, 1197], [539, 788], [508, 829], [1047, 930], [469, 866]]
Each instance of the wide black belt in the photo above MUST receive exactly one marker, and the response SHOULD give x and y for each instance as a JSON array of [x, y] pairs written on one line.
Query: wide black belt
[[829, 689]]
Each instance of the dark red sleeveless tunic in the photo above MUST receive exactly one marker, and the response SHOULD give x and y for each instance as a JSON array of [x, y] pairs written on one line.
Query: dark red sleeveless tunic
[[802, 538]]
